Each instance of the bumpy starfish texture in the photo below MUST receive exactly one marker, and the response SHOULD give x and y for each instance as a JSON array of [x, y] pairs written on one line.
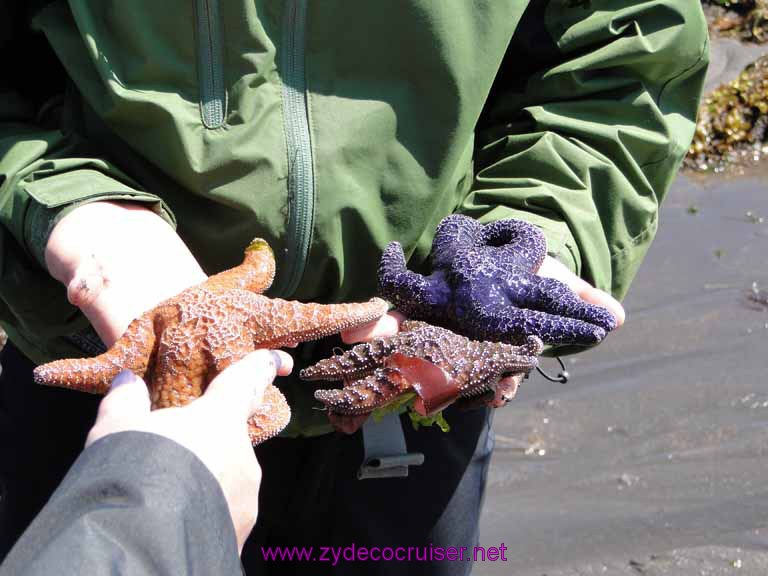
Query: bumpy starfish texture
[[484, 285], [377, 372], [179, 346]]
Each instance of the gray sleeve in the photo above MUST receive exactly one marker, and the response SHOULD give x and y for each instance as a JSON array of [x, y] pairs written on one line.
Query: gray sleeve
[[132, 504]]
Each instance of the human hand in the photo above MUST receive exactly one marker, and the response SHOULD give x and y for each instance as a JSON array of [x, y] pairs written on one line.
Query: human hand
[[118, 260], [214, 426], [387, 325]]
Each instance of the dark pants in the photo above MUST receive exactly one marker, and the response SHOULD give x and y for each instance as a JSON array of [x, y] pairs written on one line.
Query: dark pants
[[43, 430], [310, 495]]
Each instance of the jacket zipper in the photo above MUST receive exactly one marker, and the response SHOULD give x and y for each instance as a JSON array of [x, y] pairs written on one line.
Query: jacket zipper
[[209, 64], [301, 180]]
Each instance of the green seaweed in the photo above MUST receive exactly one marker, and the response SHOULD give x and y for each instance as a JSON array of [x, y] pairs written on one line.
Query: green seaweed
[[418, 420], [732, 122], [405, 403], [399, 405]]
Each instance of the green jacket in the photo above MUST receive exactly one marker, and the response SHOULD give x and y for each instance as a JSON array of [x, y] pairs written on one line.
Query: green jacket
[[330, 128]]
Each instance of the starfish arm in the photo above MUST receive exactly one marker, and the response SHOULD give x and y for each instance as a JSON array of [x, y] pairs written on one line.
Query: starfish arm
[[414, 295], [478, 366], [255, 274], [94, 375], [272, 415], [454, 233], [353, 364], [410, 325], [533, 347], [555, 297], [511, 324], [274, 322], [365, 395], [506, 359]]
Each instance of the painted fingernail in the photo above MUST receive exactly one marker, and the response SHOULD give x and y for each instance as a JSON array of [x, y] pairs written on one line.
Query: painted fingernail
[[125, 377], [277, 360]]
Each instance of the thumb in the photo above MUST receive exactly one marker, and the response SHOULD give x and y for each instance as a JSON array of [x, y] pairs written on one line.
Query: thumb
[[128, 397], [127, 402], [234, 391]]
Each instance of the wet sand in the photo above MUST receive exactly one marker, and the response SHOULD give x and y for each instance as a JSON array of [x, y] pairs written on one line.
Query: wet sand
[[728, 57], [653, 459]]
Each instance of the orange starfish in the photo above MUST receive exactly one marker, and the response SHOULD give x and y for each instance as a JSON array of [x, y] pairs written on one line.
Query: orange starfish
[[180, 345]]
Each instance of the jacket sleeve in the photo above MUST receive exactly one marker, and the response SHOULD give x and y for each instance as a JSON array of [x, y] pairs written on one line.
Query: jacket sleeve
[[132, 504], [46, 170], [588, 120]]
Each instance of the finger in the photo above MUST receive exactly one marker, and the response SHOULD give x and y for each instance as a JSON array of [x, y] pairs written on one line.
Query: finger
[[552, 268], [387, 325], [128, 398], [232, 392], [285, 366]]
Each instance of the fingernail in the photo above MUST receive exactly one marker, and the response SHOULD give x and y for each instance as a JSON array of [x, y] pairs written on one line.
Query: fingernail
[[125, 377], [277, 360]]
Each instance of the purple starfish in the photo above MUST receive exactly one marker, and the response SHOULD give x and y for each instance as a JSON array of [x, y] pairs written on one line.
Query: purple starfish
[[484, 285]]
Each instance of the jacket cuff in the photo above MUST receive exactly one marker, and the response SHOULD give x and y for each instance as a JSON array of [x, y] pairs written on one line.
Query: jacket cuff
[[132, 503], [561, 245], [51, 199]]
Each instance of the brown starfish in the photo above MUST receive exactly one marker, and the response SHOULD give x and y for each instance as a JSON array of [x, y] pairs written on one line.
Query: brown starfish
[[437, 364], [179, 346]]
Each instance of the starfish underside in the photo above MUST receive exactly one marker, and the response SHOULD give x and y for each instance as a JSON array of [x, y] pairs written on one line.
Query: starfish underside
[[179, 346], [484, 285], [375, 373]]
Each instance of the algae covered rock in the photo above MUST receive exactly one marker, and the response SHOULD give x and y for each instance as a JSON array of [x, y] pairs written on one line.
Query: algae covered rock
[[731, 127]]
